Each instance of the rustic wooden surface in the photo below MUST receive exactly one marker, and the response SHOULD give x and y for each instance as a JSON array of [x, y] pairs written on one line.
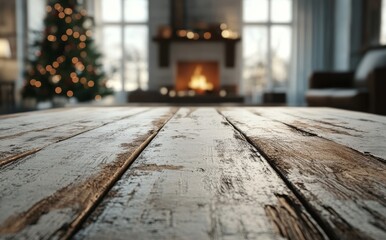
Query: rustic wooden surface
[[344, 189], [57, 186], [359, 131], [200, 178], [193, 173], [42, 129]]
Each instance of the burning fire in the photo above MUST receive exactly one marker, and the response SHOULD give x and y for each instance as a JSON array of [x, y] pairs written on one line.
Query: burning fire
[[199, 82]]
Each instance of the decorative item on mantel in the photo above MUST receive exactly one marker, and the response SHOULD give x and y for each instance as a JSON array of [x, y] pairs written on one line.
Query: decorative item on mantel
[[199, 33], [165, 32]]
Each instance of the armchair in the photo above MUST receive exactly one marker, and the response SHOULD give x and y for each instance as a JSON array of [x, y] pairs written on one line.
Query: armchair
[[362, 90]]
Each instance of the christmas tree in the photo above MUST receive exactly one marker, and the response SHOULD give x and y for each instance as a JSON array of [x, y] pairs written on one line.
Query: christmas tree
[[64, 60]]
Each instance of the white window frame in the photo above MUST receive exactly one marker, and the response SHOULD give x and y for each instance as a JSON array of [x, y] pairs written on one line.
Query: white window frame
[[122, 24], [269, 24]]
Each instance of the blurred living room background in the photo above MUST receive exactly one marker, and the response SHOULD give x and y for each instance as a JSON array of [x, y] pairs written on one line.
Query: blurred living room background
[[247, 52]]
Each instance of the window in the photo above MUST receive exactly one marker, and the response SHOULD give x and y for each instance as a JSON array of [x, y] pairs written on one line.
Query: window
[[383, 23], [267, 31], [123, 31]]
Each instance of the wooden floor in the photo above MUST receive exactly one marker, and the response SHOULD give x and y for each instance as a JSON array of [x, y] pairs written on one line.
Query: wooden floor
[[193, 173]]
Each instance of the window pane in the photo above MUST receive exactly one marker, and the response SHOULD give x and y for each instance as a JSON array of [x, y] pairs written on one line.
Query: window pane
[[136, 67], [112, 56], [280, 52], [254, 58], [255, 10], [281, 11], [383, 24], [136, 10], [111, 11]]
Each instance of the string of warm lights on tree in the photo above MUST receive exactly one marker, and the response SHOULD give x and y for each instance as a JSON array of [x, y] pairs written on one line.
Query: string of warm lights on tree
[[64, 59]]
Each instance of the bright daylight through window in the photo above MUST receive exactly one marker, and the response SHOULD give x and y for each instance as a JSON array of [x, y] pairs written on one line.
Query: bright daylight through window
[[123, 28], [267, 32], [383, 23]]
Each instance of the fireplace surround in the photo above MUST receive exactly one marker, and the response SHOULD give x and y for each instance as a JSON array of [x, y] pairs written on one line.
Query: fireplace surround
[[170, 44]]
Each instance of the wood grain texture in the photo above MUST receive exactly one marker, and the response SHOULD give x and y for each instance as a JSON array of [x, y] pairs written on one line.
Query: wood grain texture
[[46, 195], [35, 132], [15, 124], [363, 132], [344, 189], [353, 115], [200, 179]]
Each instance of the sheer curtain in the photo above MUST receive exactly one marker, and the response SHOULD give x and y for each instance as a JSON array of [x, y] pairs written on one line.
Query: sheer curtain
[[312, 46]]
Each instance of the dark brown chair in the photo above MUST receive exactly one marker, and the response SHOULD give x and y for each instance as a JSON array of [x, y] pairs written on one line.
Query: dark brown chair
[[362, 90]]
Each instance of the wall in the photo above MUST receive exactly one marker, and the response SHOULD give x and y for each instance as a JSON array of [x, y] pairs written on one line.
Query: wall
[[213, 11], [209, 11]]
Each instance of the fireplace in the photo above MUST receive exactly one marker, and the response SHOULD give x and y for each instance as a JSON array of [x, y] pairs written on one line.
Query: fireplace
[[198, 76], [198, 34]]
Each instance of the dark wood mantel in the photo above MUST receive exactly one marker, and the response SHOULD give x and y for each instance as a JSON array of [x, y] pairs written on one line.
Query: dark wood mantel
[[164, 48]]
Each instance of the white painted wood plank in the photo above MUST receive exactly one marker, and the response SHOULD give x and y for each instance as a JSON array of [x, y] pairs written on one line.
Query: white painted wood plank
[[56, 128], [200, 179], [364, 117], [18, 124], [29, 121], [353, 129], [346, 189], [45, 193]]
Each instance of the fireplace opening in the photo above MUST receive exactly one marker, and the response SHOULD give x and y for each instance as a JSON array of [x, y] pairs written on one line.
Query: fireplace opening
[[202, 77]]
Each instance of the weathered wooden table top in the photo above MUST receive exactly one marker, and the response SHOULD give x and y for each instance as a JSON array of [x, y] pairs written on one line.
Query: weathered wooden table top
[[193, 173]]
